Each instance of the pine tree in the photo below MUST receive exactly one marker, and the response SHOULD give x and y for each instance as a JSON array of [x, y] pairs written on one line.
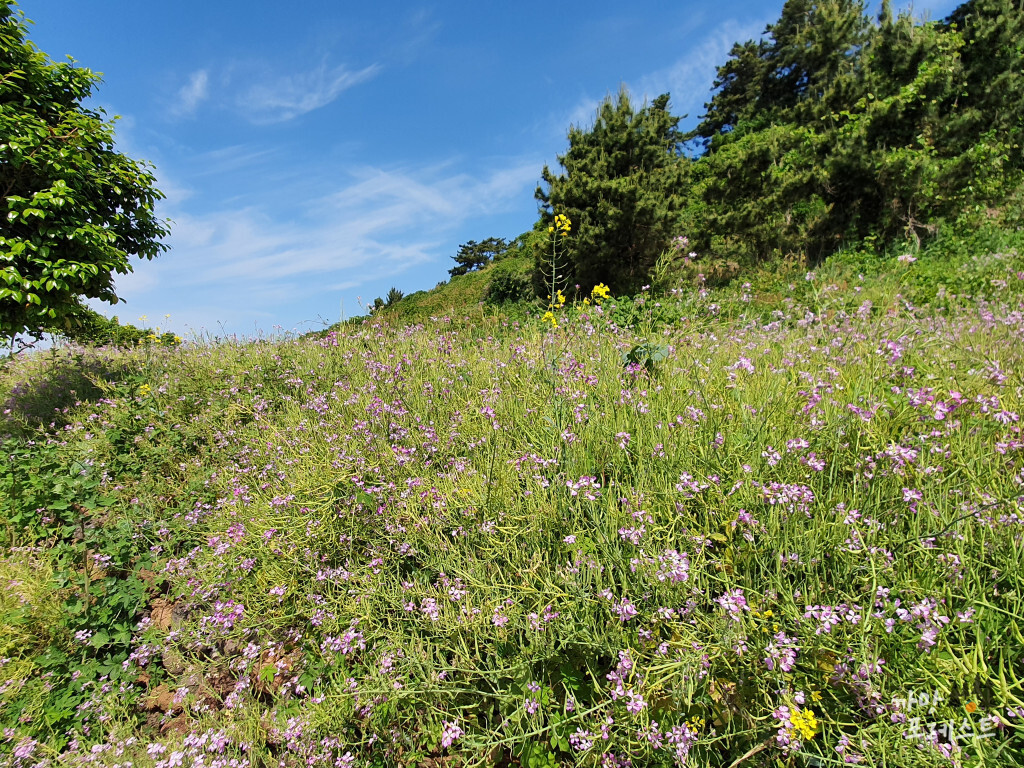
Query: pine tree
[[802, 68], [474, 255], [737, 90], [992, 57], [621, 188], [816, 45]]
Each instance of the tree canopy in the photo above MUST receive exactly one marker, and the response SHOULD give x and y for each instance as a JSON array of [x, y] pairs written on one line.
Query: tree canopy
[[474, 255], [74, 210], [830, 129], [621, 189], [833, 128]]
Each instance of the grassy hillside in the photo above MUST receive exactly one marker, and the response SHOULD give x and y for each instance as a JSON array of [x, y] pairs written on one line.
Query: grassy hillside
[[776, 523], [469, 294]]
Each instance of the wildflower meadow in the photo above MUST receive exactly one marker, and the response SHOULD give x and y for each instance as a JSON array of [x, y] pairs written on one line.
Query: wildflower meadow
[[733, 527]]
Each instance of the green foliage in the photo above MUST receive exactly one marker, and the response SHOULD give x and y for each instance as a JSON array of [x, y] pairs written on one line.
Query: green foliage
[[474, 255], [94, 570], [90, 328], [646, 355], [510, 281], [950, 270], [621, 187], [74, 210], [393, 297], [992, 59], [832, 130]]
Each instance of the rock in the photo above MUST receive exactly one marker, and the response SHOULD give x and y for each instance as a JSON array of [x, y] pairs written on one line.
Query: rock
[[173, 661], [180, 725], [161, 613], [160, 699], [193, 680]]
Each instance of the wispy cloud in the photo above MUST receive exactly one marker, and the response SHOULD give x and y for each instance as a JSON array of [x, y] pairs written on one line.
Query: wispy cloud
[[412, 36], [227, 160], [384, 220], [689, 78], [192, 94], [287, 97], [240, 264]]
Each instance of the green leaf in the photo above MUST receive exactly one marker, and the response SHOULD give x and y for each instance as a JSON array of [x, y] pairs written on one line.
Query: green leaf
[[100, 639], [71, 198]]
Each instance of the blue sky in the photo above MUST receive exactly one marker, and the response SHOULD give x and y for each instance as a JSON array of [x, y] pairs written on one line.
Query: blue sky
[[320, 152]]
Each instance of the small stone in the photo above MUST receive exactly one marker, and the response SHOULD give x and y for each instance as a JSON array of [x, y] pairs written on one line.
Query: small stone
[[173, 661]]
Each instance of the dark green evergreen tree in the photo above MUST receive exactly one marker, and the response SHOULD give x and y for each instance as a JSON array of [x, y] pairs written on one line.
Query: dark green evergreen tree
[[621, 186], [762, 189], [815, 48], [799, 70], [474, 255], [986, 118], [993, 62], [831, 129], [737, 90]]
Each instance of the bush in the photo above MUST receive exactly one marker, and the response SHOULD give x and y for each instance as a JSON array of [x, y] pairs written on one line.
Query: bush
[[90, 328], [509, 286]]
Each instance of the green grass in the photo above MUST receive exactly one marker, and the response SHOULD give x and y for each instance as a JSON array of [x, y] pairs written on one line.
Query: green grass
[[463, 296], [483, 541]]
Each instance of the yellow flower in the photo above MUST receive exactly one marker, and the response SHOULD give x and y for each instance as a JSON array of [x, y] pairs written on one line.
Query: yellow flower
[[804, 723], [144, 390], [562, 224], [599, 292], [549, 317], [177, 339]]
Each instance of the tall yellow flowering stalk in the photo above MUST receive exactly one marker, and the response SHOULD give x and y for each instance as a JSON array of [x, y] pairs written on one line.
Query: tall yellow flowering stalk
[[559, 230]]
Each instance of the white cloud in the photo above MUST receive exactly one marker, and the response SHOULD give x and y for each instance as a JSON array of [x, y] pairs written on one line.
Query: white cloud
[[284, 98], [192, 94], [243, 265], [385, 221], [228, 160], [689, 79]]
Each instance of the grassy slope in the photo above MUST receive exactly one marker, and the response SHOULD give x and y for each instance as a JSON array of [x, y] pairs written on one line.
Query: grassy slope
[[461, 296], [454, 542]]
